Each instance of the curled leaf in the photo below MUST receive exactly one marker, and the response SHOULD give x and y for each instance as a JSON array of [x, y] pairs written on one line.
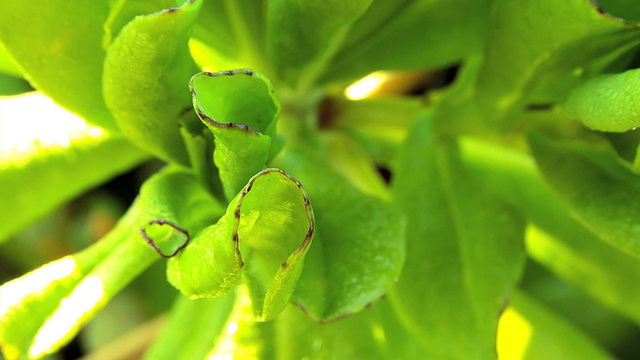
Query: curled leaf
[[152, 242], [241, 109], [263, 237]]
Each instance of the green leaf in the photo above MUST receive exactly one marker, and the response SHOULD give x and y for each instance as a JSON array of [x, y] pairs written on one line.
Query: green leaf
[[528, 331], [7, 64], [358, 246], [121, 12], [379, 124], [557, 240], [146, 71], [192, 329], [58, 45], [607, 103], [411, 35], [303, 35], [232, 32], [453, 228], [531, 59], [44, 309], [241, 109], [264, 236], [598, 188], [70, 157]]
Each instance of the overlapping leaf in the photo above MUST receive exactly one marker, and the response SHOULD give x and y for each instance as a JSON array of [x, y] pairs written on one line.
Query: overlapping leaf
[[59, 47], [558, 241], [538, 50], [303, 35], [598, 188]]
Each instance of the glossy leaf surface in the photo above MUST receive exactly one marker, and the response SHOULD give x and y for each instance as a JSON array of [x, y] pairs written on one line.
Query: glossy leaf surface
[[146, 71], [72, 159], [607, 103], [241, 109], [453, 228], [59, 47], [263, 237], [597, 187], [358, 246]]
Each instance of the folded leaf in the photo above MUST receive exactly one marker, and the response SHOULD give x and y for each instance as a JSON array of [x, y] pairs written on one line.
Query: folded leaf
[[264, 236], [607, 103], [146, 71], [241, 109], [71, 159], [44, 309], [455, 229], [598, 188], [358, 246], [63, 59]]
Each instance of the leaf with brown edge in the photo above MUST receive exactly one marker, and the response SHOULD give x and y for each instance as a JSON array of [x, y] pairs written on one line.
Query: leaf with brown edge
[[262, 239]]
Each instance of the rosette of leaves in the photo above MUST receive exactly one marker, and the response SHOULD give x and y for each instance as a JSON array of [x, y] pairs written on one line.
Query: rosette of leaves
[[280, 233]]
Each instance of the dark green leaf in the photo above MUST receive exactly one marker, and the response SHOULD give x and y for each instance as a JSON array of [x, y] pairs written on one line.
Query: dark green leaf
[[359, 243], [146, 72], [241, 109], [58, 44], [598, 188], [454, 229], [264, 237]]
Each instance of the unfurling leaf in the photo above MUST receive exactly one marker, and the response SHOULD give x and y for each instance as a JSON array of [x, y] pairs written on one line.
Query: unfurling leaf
[[263, 237], [241, 109]]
